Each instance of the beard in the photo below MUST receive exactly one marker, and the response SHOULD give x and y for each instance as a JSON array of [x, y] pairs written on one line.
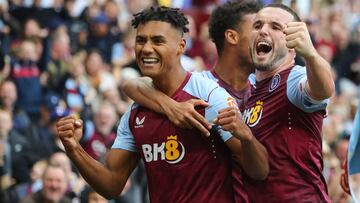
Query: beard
[[271, 64]]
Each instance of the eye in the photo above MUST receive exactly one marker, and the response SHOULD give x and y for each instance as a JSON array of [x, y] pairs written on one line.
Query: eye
[[140, 40], [277, 27], [158, 40], [257, 25]]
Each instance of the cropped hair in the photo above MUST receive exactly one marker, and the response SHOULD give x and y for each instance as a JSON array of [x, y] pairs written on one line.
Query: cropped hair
[[285, 8], [164, 14], [228, 16]]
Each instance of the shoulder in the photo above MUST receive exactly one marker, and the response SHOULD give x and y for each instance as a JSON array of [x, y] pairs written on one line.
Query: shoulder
[[296, 72], [200, 87]]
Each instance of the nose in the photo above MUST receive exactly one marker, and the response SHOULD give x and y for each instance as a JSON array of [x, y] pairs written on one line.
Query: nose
[[264, 30], [147, 48]]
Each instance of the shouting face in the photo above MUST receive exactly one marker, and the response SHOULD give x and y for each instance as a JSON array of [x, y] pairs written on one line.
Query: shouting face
[[267, 39]]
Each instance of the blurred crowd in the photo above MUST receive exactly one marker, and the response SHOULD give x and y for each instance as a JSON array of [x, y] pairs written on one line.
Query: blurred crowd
[[61, 57]]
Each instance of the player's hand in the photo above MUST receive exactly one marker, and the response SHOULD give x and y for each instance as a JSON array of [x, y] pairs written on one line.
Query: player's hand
[[69, 130], [184, 115], [230, 120], [298, 38]]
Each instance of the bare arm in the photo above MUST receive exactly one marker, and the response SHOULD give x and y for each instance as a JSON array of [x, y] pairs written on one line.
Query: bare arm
[[182, 114], [320, 84], [249, 152], [108, 180]]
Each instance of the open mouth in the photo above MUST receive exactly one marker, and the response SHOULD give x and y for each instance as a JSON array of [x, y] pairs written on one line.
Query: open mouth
[[263, 48]]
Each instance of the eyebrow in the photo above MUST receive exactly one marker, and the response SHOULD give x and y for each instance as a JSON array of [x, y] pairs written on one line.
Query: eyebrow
[[283, 26], [259, 21], [151, 37]]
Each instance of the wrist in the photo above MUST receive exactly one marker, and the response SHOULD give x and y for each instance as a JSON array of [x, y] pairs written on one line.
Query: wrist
[[311, 55], [246, 137], [71, 147], [165, 106]]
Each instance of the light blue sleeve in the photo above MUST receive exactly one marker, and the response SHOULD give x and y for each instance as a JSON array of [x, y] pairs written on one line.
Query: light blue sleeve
[[219, 99], [354, 146], [216, 96], [124, 137], [297, 94]]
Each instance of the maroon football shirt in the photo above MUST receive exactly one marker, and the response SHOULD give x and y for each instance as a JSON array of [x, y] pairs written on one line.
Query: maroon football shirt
[[182, 165], [288, 124], [241, 98]]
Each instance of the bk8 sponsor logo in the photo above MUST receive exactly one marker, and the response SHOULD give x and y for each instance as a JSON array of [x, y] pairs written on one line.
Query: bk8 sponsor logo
[[171, 151], [252, 116]]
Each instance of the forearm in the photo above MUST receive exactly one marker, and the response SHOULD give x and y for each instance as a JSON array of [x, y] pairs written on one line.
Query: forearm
[[251, 155], [320, 81], [96, 174], [254, 159], [143, 92]]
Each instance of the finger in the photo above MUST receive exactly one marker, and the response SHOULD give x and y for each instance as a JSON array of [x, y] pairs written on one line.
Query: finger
[[292, 44], [65, 121], [199, 126], [225, 120], [295, 24], [292, 30], [293, 36], [69, 126], [66, 134], [199, 102], [202, 120], [78, 123], [228, 127], [226, 114], [225, 109]]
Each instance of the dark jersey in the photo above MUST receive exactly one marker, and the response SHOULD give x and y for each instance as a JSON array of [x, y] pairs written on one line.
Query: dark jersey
[[288, 123], [182, 165], [241, 98]]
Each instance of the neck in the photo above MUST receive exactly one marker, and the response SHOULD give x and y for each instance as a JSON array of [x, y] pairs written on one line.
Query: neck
[[287, 63], [234, 74], [169, 82]]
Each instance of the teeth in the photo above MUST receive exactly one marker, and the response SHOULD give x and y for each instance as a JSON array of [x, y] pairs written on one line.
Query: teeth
[[263, 43], [150, 60]]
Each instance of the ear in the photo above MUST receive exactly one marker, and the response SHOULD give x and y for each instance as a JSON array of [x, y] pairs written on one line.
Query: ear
[[231, 36], [182, 46]]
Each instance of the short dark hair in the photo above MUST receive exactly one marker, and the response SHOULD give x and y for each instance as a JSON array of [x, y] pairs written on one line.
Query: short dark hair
[[162, 13], [285, 8], [228, 16]]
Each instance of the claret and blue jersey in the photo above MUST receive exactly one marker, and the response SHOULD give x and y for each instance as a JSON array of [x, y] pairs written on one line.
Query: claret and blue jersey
[[285, 119], [182, 164]]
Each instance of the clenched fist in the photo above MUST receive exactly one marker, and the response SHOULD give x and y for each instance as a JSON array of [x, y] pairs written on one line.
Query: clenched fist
[[70, 130], [298, 38]]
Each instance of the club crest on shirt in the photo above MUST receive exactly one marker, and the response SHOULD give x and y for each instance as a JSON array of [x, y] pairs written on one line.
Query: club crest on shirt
[[275, 81], [172, 151], [139, 122], [252, 116]]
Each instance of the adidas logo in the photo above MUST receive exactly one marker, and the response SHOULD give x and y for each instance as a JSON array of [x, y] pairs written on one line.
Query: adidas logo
[[139, 122]]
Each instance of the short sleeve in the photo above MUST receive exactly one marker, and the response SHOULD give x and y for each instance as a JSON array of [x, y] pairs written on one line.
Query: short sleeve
[[297, 94], [124, 138], [219, 99]]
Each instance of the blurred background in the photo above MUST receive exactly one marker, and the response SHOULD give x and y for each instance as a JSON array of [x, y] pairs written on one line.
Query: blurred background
[[71, 56]]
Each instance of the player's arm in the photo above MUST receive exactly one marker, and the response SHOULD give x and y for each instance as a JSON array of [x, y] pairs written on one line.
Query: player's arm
[[249, 152], [109, 179], [182, 114], [320, 84]]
